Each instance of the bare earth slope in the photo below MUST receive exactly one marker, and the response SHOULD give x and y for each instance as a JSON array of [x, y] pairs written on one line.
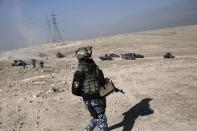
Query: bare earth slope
[[161, 95]]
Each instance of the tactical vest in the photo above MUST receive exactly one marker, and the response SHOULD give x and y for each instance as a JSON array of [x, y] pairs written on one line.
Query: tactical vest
[[90, 83]]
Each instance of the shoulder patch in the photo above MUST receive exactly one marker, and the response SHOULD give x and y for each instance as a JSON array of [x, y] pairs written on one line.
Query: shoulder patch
[[76, 84]]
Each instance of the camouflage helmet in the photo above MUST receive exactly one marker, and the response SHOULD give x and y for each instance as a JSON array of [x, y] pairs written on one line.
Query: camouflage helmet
[[83, 52]]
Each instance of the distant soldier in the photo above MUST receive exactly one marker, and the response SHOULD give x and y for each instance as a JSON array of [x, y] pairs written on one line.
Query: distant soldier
[[41, 64], [24, 64], [34, 63]]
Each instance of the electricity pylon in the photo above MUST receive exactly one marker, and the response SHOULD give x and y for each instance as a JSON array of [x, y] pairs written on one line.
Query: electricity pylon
[[54, 32]]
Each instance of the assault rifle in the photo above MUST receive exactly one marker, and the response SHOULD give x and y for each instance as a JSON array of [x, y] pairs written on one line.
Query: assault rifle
[[109, 88], [118, 90]]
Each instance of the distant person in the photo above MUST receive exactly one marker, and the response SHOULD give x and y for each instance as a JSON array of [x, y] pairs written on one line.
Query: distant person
[[24, 64], [41, 64], [34, 63], [87, 81]]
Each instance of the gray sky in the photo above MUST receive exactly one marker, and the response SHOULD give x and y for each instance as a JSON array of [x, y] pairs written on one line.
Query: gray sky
[[24, 22]]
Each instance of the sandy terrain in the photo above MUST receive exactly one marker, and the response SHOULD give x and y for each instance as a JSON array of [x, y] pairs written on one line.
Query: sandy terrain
[[161, 95]]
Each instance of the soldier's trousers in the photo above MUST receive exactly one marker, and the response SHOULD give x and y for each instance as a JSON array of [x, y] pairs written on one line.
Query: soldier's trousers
[[96, 108]]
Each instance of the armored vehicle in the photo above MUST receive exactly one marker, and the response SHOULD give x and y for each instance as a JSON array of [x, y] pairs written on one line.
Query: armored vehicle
[[106, 57], [128, 56], [60, 55], [113, 55], [168, 55], [18, 63], [138, 55]]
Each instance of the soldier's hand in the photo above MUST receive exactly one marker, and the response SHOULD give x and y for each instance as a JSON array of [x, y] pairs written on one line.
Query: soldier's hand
[[116, 90]]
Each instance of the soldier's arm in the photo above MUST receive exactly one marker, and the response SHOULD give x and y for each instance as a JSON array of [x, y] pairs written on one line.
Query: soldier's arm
[[77, 83], [101, 77]]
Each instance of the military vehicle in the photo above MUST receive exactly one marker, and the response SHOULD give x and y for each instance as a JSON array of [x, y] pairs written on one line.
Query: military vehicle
[[18, 63], [128, 56], [106, 57], [138, 55], [168, 55], [60, 55], [131, 56], [113, 55]]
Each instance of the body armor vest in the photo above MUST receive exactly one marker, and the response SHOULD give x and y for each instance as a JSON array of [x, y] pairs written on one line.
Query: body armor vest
[[90, 83]]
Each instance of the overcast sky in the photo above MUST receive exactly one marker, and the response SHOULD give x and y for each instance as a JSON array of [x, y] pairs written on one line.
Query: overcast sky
[[24, 22]]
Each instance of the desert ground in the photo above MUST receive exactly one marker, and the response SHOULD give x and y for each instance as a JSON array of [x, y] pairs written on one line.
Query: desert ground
[[160, 94]]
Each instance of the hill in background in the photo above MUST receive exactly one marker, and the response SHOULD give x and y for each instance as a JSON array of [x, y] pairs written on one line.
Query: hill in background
[[160, 94]]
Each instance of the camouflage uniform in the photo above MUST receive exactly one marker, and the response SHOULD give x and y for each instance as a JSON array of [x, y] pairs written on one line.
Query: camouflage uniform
[[86, 83], [99, 119]]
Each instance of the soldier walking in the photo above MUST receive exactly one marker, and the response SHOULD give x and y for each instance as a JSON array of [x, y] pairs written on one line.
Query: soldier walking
[[41, 64], [34, 63], [24, 64], [87, 81]]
